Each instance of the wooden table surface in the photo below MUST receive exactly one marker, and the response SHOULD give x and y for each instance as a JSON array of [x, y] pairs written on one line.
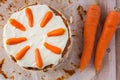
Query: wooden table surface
[[106, 6], [118, 47]]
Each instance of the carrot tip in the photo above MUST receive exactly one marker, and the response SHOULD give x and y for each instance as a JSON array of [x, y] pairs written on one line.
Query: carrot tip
[[97, 70]]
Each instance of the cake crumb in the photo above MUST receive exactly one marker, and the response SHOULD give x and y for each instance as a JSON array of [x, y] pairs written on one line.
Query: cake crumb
[[71, 19], [49, 66], [76, 66], [13, 71], [63, 77], [43, 77], [69, 1], [3, 1], [79, 55], [19, 73], [81, 11], [45, 70], [26, 75], [60, 78], [1, 17], [70, 72], [73, 35], [30, 75], [11, 77], [1, 71], [13, 58], [26, 2]]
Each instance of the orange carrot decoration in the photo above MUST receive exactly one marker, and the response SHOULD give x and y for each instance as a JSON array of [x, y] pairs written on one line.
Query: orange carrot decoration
[[52, 48], [22, 52], [12, 41], [38, 58], [56, 32], [46, 18], [17, 24], [109, 28], [29, 15], [90, 28]]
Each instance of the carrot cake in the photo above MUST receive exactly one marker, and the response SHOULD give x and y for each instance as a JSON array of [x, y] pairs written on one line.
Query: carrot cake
[[36, 37]]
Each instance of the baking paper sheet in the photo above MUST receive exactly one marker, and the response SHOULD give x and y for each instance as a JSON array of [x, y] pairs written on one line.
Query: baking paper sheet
[[74, 11]]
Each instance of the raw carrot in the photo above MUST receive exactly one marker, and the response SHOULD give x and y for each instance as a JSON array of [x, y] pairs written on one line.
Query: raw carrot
[[46, 18], [29, 15], [56, 32], [109, 28], [38, 58], [22, 52], [90, 28], [17, 24], [52, 48], [12, 41]]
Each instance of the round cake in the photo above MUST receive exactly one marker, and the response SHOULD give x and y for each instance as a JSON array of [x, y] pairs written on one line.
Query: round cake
[[37, 37]]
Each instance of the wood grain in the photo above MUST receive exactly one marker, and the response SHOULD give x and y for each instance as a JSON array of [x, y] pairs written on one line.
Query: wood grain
[[118, 54], [108, 71], [118, 48]]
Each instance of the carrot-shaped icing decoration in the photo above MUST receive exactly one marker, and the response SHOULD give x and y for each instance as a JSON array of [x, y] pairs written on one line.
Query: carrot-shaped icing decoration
[[46, 18], [12, 41], [17, 24], [29, 15], [22, 52], [56, 32], [38, 58], [52, 48]]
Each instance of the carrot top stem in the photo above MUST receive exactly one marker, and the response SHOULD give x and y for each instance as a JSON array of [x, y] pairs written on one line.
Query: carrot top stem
[[96, 2], [117, 9]]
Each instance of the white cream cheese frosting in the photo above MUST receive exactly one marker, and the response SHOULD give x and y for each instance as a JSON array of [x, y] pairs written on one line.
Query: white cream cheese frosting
[[36, 36]]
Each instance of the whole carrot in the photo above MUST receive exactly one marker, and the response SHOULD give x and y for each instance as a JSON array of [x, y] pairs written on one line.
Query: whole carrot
[[109, 28], [90, 28]]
